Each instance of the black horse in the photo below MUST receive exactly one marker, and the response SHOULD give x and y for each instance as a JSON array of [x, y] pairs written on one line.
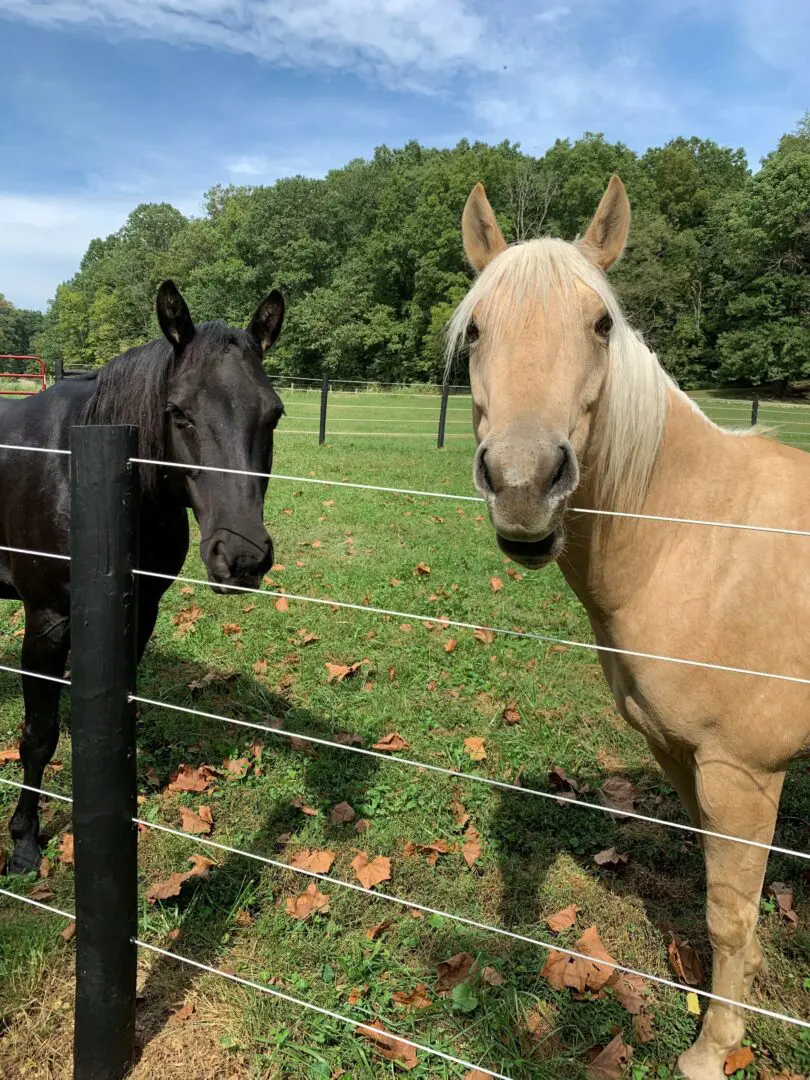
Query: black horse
[[199, 397]]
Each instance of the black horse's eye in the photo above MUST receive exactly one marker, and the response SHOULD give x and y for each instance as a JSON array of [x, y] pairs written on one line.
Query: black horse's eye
[[473, 333], [179, 418], [603, 327]]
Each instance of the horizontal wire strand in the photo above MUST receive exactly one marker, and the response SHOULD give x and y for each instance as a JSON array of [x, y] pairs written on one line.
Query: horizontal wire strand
[[35, 675], [470, 498], [38, 904], [38, 791], [29, 551], [476, 925], [524, 634], [457, 774], [372, 420], [34, 449], [290, 999], [383, 434]]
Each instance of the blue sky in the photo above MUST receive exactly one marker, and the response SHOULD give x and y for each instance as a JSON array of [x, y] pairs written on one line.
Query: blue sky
[[107, 103]]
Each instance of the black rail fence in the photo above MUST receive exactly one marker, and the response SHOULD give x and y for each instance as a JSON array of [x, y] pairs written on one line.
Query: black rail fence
[[103, 692]]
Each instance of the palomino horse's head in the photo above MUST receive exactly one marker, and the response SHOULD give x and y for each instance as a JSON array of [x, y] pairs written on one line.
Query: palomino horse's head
[[539, 320], [221, 411]]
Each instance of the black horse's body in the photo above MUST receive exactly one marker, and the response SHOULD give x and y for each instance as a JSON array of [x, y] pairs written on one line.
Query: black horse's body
[[199, 398]]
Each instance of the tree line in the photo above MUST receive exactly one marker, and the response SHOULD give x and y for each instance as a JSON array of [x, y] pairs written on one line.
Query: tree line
[[370, 261]]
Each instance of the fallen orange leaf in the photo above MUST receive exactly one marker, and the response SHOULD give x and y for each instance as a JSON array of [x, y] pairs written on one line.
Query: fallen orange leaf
[[454, 971], [496, 584], [186, 620], [738, 1059], [11, 754], [282, 604], [319, 862], [564, 971], [471, 847], [421, 570], [231, 629], [164, 890], [342, 814], [612, 1061], [684, 961], [450, 644], [562, 920], [475, 748], [487, 636], [389, 1046], [66, 849], [392, 741], [371, 872], [418, 998], [200, 823], [308, 903]]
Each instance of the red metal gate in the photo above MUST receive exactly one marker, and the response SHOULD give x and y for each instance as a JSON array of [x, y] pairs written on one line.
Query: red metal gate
[[36, 378]]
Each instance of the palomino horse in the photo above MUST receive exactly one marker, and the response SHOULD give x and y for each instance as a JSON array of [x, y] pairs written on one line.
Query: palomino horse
[[199, 397], [568, 401]]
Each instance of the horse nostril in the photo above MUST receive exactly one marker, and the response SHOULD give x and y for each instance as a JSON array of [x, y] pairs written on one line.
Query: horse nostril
[[561, 470], [484, 475]]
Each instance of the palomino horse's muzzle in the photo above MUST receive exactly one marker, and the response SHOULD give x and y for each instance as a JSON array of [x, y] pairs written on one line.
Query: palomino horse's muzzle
[[526, 478]]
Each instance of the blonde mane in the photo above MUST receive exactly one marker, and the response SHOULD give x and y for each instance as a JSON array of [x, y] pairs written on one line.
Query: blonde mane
[[632, 409]]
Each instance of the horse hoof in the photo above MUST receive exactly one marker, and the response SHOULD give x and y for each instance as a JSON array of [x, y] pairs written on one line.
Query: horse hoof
[[696, 1064], [25, 857]]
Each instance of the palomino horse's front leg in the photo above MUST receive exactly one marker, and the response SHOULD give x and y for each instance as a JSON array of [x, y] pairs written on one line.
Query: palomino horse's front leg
[[737, 801]]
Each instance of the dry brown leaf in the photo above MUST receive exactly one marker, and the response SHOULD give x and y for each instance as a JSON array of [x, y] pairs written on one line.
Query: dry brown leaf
[[392, 674], [511, 714], [45, 868], [684, 961], [236, 768], [391, 1048], [418, 998], [738, 1059], [514, 574], [395, 582], [11, 754], [187, 591], [454, 971], [619, 793], [471, 847], [476, 1074], [644, 1028], [186, 620], [185, 1012], [65, 855], [629, 991], [611, 859], [340, 672], [562, 920], [3, 861], [564, 971], [260, 667], [783, 895], [308, 903], [298, 803], [361, 826], [200, 823], [421, 570], [487, 636], [368, 686], [342, 814], [349, 738], [406, 627], [459, 813], [282, 604], [42, 892], [231, 629], [374, 932], [561, 781], [308, 639], [244, 918], [611, 1063], [495, 584], [206, 680], [475, 748], [357, 994], [492, 977], [450, 644], [193, 778], [392, 742], [371, 872], [165, 890], [256, 748], [69, 933], [319, 862]]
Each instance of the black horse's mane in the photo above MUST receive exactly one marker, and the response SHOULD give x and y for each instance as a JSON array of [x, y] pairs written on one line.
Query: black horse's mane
[[133, 389]]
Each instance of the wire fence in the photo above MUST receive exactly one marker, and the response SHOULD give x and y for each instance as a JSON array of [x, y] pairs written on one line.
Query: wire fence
[[394, 760]]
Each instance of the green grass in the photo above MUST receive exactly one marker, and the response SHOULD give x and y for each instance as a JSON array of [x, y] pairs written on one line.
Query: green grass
[[537, 855]]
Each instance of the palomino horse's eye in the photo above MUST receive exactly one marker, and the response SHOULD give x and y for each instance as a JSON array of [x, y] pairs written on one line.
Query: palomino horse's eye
[[603, 327], [473, 332]]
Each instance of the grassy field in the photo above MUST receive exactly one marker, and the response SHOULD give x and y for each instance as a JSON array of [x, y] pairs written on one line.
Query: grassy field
[[536, 708]]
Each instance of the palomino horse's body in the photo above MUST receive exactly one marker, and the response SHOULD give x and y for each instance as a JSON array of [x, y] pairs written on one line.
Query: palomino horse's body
[[567, 401], [200, 397]]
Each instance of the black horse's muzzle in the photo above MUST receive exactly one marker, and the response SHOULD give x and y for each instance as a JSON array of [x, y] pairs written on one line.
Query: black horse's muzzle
[[235, 561]]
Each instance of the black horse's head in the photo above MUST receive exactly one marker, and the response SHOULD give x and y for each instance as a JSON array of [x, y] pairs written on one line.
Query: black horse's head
[[220, 412]]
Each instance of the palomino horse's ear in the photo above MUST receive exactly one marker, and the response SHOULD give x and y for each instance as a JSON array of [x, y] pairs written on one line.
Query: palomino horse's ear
[[483, 240], [606, 236], [173, 316], [265, 326]]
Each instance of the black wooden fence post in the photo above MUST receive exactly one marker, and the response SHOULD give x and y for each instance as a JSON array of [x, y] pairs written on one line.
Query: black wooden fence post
[[443, 412], [754, 410], [324, 396], [103, 549], [58, 371]]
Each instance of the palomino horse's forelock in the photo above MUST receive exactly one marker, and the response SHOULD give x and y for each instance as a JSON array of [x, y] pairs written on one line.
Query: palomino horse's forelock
[[633, 405]]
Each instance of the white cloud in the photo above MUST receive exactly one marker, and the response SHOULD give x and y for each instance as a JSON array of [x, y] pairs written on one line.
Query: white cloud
[[43, 238]]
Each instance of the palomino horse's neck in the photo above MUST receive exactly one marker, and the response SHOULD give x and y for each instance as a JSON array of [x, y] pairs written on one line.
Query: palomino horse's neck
[[609, 558]]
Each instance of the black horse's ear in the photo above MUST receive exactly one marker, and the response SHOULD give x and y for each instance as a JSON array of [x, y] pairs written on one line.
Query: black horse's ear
[[265, 326], [174, 316]]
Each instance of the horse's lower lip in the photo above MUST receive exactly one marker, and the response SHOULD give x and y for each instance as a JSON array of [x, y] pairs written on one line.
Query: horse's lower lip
[[228, 586], [530, 552]]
